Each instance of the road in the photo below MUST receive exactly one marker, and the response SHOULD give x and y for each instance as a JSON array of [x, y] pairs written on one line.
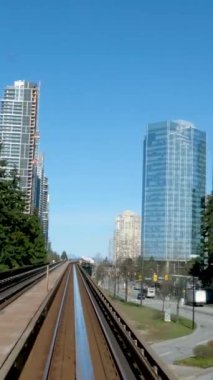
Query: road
[[182, 347]]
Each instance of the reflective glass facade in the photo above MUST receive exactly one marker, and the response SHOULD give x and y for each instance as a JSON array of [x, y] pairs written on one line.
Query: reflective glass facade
[[174, 178]]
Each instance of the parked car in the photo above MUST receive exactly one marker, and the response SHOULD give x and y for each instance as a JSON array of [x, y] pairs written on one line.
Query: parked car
[[139, 296]]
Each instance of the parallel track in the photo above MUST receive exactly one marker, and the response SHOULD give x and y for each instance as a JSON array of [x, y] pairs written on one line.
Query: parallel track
[[109, 349], [12, 287]]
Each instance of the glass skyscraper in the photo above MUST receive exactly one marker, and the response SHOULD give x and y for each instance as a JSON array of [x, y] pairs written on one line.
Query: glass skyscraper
[[174, 179]]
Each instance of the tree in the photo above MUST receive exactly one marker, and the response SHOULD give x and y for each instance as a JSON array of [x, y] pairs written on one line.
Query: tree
[[146, 267], [203, 266], [127, 269], [21, 236], [52, 255], [165, 291], [64, 256], [179, 288], [100, 273]]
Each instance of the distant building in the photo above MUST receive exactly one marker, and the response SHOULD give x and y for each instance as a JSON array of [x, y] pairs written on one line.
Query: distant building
[[41, 194], [127, 235], [44, 208], [174, 178], [19, 132]]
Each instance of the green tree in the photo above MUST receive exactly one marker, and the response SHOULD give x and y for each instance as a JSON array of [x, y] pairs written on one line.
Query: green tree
[[64, 256], [203, 266], [52, 256], [21, 236]]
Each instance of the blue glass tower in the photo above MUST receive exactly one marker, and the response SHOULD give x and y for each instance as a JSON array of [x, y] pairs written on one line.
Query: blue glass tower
[[174, 179]]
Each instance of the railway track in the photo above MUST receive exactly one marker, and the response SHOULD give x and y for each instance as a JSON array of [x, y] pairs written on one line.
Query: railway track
[[13, 286], [84, 337]]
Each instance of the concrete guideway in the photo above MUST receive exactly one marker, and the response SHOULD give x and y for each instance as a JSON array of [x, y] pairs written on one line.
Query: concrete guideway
[[83, 297], [16, 318], [52, 355]]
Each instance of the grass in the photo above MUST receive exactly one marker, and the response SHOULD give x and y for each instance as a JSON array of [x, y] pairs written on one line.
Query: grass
[[203, 356], [196, 362], [151, 324]]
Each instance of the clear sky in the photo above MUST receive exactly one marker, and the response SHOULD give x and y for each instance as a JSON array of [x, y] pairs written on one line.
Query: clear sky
[[107, 68]]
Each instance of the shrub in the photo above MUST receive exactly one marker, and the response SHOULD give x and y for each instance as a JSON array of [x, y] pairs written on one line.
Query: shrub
[[3, 267], [210, 344], [204, 351]]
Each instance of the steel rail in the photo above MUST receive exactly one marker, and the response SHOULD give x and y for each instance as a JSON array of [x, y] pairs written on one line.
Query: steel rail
[[9, 293], [27, 273], [20, 275], [143, 362], [9, 285], [55, 332], [124, 371]]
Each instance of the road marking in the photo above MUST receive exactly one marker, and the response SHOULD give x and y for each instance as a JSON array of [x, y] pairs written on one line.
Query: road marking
[[165, 353]]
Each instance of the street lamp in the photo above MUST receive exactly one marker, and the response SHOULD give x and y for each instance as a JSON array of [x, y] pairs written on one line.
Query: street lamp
[[193, 303], [142, 267], [115, 279]]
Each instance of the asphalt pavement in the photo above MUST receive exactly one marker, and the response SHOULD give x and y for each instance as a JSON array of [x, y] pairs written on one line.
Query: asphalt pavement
[[180, 348]]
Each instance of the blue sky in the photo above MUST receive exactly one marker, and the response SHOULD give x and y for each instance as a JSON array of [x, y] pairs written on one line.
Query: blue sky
[[107, 68]]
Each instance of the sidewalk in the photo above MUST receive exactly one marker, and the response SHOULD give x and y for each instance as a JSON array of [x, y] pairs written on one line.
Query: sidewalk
[[192, 373]]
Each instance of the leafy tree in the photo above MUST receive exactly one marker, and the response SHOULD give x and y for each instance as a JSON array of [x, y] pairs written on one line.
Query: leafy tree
[[203, 266], [21, 236]]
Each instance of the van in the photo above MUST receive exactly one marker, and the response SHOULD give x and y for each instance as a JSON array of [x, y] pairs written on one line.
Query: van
[[150, 292]]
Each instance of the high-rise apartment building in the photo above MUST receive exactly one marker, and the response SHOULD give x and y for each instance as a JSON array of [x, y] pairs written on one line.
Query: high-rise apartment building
[[19, 138], [19, 133], [174, 179], [127, 235], [41, 194], [44, 208]]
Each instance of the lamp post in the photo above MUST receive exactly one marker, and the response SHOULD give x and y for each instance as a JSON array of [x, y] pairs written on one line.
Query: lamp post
[[115, 280], [142, 267], [193, 303]]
